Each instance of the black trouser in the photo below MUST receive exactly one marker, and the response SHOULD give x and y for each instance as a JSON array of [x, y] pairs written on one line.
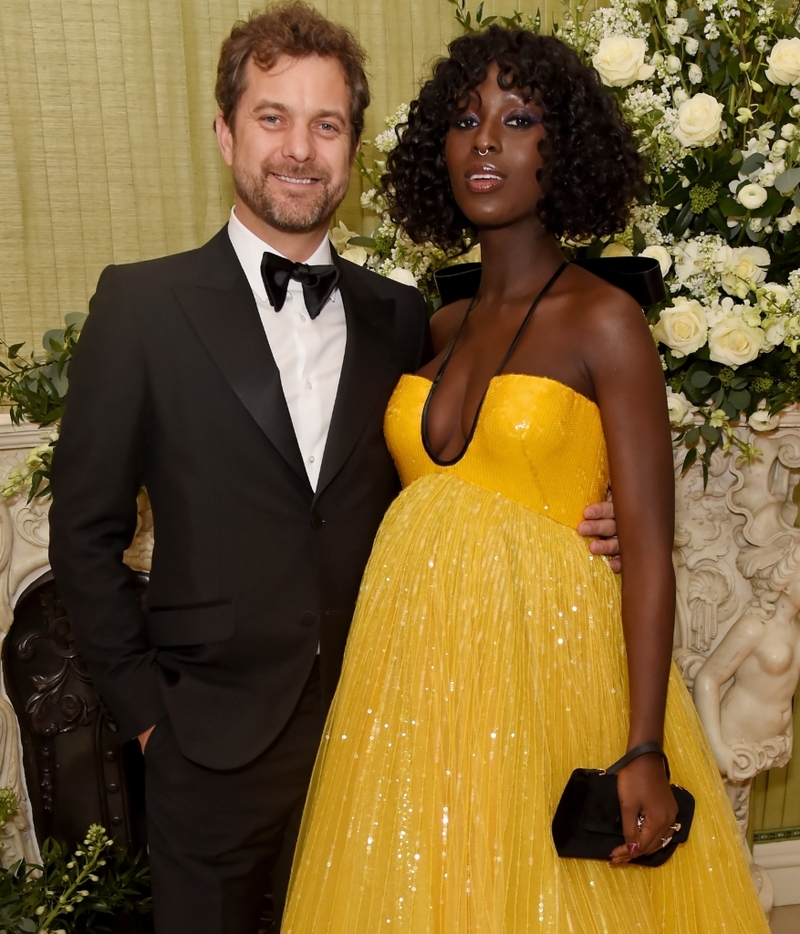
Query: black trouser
[[218, 840]]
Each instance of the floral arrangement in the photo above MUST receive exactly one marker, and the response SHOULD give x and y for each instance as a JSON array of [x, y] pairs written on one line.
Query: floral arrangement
[[70, 892], [711, 89]]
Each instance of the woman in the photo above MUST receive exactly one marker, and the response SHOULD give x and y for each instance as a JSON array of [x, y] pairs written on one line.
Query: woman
[[487, 658]]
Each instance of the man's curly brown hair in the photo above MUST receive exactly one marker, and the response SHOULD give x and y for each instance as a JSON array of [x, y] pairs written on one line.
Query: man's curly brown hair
[[591, 170]]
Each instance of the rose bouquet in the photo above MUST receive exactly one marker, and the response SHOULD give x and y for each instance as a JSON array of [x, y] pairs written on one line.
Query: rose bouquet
[[711, 89]]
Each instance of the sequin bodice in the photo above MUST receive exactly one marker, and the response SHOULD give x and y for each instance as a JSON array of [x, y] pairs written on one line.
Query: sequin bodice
[[537, 442]]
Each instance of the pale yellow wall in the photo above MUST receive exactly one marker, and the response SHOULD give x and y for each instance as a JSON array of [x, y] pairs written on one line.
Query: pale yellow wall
[[106, 150]]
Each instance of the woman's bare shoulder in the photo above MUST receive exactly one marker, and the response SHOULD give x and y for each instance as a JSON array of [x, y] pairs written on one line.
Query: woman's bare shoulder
[[445, 322]]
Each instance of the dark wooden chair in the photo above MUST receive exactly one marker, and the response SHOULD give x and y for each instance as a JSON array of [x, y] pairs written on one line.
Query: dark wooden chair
[[77, 771]]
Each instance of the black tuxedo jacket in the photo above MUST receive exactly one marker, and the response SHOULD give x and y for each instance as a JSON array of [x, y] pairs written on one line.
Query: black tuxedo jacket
[[173, 387]]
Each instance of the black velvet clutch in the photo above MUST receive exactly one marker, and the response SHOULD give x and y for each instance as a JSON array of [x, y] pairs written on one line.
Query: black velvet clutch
[[588, 824], [639, 276]]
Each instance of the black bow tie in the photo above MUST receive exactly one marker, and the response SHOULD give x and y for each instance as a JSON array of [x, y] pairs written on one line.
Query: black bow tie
[[318, 281]]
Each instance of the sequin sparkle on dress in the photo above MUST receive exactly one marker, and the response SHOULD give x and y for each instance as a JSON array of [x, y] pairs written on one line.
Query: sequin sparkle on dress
[[485, 662]]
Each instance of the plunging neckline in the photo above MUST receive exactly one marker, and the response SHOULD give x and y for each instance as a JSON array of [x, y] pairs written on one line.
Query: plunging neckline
[[498, 372]]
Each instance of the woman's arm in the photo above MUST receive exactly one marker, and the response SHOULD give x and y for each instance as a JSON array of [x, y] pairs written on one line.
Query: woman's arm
[[624, 368]]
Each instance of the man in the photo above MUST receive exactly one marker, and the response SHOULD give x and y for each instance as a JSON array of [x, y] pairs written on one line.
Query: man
[[246, 392]]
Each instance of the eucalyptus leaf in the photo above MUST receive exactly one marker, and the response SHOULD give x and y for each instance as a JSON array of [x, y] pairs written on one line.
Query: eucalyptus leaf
[[739, 398], [362, 241], [701, 379], [787, 181], [710, 433], [692, 436], [752, 162], [691, 457]]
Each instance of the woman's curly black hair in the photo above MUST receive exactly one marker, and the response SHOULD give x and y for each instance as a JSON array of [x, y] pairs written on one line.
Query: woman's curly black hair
[[590, 172]]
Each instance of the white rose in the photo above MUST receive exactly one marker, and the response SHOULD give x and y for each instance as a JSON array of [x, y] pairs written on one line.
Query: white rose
[[774, 332], [673, 64], [662, 255], [784, 224], [616, 249], [402, 275], [767, 176], [751, 196], [789, 130], [695, 74], [780, 146], [691, 46], [619, 61], [681, 25], [682, 327], [784, 62], [699, 121], [679, 408], [679, 96], [776, 294], [672, 8], [732, 342], [761, 420], [356, 254]]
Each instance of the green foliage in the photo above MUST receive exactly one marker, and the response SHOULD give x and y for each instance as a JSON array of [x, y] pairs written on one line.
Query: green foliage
[[34, 388], [73, 892]]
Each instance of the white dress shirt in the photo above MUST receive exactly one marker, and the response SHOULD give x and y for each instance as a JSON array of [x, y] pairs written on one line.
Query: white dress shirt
[[309, 353]]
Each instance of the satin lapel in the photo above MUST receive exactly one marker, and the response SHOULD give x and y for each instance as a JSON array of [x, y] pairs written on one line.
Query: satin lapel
[[223, 312], [367, 371]]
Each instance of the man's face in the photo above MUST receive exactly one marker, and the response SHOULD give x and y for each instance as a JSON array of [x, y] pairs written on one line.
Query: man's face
[[290, 146]]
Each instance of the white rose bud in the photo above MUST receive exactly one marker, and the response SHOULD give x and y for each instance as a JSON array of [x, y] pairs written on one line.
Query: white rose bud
[[662, 255], [682, 327], [780, 146], [673, 64], [682, 25], [784, 224], [732, 342], [784, 62], [672, 8], [751, 196], [679, 96], [761, 420], [672, 34], [691, 45], [789, 131], [794, 111], [616, 249], [767, 176], [695, 74], [619, 61], [402, 275], [679, 408], [699, 121]]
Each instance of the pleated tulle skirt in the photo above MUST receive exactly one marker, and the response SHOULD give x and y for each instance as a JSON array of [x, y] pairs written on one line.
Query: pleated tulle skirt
[[486, 662]]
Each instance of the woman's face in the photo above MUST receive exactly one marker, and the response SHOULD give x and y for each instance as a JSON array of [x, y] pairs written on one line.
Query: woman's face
[[492, 155]]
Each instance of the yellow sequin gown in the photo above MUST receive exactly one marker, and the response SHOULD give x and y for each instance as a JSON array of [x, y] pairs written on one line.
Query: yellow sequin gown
[[485, 662]]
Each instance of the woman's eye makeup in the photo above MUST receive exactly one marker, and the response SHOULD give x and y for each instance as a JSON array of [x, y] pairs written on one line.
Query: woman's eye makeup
[[465, 121], [523, 118]]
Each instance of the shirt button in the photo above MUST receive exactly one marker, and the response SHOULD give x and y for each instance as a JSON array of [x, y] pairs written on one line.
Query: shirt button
[[309, 384], [311, 458], [303, 318]]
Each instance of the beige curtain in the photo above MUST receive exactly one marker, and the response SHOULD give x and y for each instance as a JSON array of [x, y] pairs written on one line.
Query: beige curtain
[[107, 152]]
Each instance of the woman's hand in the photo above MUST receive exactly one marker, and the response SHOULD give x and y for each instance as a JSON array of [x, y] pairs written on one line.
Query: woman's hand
[[644, 790]]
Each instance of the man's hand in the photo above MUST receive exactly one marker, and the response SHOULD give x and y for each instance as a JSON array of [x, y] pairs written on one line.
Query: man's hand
[[599, 521], [143, 737]]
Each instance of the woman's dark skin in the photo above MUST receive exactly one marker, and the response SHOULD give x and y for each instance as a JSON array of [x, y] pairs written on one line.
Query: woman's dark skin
[[593, 338]]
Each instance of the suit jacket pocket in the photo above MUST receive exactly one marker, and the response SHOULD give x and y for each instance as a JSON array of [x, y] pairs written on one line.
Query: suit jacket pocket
[[190, 625]]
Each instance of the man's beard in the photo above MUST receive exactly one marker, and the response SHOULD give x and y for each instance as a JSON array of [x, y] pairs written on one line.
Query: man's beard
[[289, 213]]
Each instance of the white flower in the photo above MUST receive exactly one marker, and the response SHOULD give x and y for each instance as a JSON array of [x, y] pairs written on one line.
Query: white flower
[[679, 408], [732, 342], [662, 255], [742, 268], [340, 235], [780, 146], [774, 332], [761, 420], [355, 254], [402, 275], [784, 224], [682, 327], [686, 259], [784, 62], [788, 131], [766, 178], [695, 74], [673, 64], [681, 25], [679, 96], [672, 8], [616, 249], [699, 121], [718, 418], [691, 45], [619, 61], [751, 196]]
